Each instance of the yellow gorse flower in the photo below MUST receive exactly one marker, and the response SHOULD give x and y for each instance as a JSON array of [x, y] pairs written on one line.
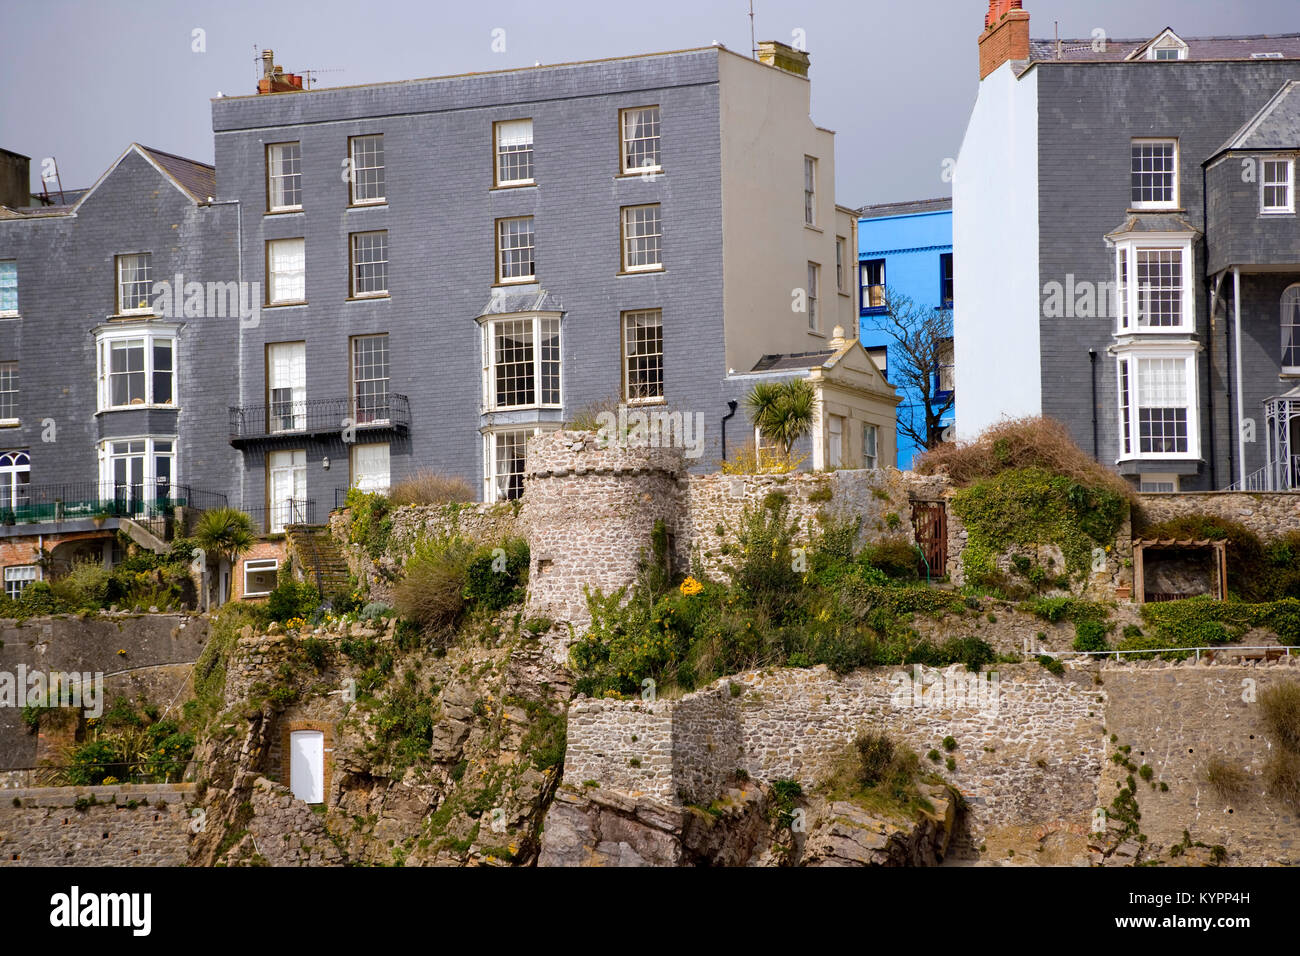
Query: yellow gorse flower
[[691, 586]]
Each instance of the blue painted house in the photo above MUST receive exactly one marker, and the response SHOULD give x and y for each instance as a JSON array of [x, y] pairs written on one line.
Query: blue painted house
[[907, 247]]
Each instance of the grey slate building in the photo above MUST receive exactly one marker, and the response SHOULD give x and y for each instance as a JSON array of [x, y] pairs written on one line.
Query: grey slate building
[[381, 279], [1126, 236]]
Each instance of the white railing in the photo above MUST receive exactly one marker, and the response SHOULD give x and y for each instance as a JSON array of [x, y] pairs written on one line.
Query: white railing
[[1215, 650], [1275, 476]]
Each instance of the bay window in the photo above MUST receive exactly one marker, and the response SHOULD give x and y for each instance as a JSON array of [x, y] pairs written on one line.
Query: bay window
[[521, 366], [504, 456], [137, 472], [1157, 404], [136, 366], [1153, 286]]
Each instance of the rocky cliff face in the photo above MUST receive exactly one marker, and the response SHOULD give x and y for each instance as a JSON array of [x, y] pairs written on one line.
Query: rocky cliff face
[[749, 825], [432, 759]]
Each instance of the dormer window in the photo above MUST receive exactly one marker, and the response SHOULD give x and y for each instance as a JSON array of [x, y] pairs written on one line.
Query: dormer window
[[1167, 46]]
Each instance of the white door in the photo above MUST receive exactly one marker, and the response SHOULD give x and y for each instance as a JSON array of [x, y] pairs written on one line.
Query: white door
[[307, 765], [286, 383], [286, 488]]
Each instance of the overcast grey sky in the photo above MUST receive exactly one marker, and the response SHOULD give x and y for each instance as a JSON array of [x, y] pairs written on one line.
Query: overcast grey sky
[[81, 79]]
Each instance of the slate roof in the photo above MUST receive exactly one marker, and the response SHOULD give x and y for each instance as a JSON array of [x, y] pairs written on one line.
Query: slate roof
[[197, 179], [794, 361], [1153, 222], [907, 208], [1198, 48], [505, 301], [1276, 126]]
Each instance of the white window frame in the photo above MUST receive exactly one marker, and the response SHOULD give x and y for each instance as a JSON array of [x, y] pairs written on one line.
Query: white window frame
[[835, 441], [1173, 202], [870, 449], [12, 464], [14, 312], [281, 177], [814, 281], [649, 240], [624, 115], [1288, 184], [1128, 292], [118, 262], [1290, 327], [511, 130], [370, 482], [293, 364], [841, 258], [537, 319], [654, 319], [865, 287], [354, 266], [276, 278], [1133, 404], [522, 278], [260, 566], [276, 513], [151, 336], [491, 490], [150, 454], [1146, 483], [367, 407], [810, 190], [9, 421], [22, 575], [365, 163]]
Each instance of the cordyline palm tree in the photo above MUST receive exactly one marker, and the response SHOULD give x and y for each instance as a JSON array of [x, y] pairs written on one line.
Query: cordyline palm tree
[[783, 412], [227, 533]]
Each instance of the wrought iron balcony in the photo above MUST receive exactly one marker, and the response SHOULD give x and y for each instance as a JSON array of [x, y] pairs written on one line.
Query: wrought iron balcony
[[282, 513], [152, 503], [317, 418]]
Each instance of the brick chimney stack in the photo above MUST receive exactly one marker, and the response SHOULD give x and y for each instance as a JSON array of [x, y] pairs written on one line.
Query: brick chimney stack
[[1005, 36], [274, 79]]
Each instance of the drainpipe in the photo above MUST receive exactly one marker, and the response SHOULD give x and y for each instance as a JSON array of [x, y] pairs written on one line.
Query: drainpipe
[[1092, 362], [1241, 412], [731, 405], [1209, 374]]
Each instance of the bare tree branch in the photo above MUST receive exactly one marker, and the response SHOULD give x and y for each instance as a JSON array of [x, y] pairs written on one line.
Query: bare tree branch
[[921, 342]]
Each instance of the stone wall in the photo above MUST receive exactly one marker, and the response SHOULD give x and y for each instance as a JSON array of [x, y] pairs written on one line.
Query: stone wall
[[126, 825], [1268, 514], [478, 522], [1031, 751], [880, 497], [149, 654]]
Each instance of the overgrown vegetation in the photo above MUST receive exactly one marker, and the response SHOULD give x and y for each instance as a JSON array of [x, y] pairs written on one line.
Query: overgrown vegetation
[[1259, 571], [449, 576], [130, 743], [785, 605], [1280, 706], [880, 775], [427, 487]]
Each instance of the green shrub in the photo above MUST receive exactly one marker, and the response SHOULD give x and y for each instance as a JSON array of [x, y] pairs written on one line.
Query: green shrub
[[431, 592], [1090, 635], [495, 577], [369, 523], [292, 598], [84, 586], [894, 556]]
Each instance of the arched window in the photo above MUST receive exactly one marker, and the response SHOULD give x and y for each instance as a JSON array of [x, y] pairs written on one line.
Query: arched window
[[15, 478], [1291, 329]]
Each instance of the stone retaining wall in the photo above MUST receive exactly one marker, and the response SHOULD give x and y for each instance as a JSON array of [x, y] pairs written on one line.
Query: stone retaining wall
[[127, 825], [1031, 752], [1268, 514]]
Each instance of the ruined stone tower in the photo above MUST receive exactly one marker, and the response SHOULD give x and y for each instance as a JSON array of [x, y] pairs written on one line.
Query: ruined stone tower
[[589, 513]]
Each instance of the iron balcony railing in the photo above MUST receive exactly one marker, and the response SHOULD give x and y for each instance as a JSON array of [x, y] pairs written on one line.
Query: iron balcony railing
[[283, 513], [27, 504], [1275, 476], [320, 416]]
